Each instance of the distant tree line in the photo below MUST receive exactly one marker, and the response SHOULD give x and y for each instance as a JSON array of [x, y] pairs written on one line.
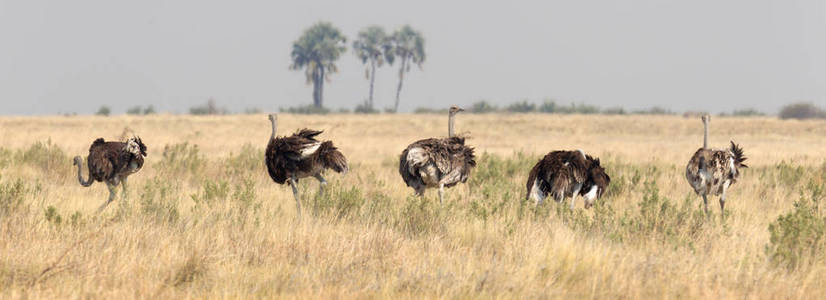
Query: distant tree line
[[321, 45]]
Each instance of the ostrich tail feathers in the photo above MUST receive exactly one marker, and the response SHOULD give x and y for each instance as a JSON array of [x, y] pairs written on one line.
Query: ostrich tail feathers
[[739, 156], [332, 158]]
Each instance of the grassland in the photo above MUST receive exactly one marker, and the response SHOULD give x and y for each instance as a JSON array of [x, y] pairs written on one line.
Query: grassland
[[203, 219]]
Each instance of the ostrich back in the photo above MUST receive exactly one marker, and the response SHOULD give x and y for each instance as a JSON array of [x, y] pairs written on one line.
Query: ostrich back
[[109, 159], [709, 169], [302, 155], [558, 172], [431, 162]]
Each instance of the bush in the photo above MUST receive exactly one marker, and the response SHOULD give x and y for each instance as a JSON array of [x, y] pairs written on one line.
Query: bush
[[521, 107], [482, 107], [11, 196], [365, 108], [801, 111], [137, 110], [46, 156], [656, 110], [306, 110], [798, 238], [158, 200], [210, 108], [103, 111], [548, 106], [252, 110], [182, 159], [614, 111], [749, 112], [578, 109]]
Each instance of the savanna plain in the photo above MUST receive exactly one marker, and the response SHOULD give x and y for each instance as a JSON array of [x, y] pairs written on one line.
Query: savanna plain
[[202, 219]]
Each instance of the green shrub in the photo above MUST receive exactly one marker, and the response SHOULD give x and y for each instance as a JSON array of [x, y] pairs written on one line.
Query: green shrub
[[338, 202], [212, 193], [548, 107], [801, 111], [482, 107], [181, 159], [306, 110], [421, 216], [521, 107], [158, 200], [103, 111], [249, 160], [11, 196], [52, 216], [44, 155], [798, 238]]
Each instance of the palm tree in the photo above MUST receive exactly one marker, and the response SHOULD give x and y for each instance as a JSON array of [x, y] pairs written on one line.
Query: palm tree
[[408, 47], [372, 46], [317, 51]]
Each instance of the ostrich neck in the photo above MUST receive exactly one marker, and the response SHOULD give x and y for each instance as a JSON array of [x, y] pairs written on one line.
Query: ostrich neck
[[274, 126], [705, 135], [450, 125]]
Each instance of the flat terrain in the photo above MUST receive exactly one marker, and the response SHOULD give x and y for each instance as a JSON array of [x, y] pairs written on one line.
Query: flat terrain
[[203, 219]]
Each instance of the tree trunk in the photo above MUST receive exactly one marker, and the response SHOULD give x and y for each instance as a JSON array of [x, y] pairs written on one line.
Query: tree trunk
[[318, 88], [372, 81], [401, 80]]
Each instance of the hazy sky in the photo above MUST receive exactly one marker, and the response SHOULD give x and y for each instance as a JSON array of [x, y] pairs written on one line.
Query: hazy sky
[[74, 56]]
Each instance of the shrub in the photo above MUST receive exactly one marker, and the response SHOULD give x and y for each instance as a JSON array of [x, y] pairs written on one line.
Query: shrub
[[249, 160], [103, 111], [421, 216], [801, 111], [44, 155], [521, 107], [365, 108], [252, 110], [656, 110], [182, 159], [482, 107], [11, 196], [212, 193], [210, 108], [306, 110], [158, 200], [137, 110], [798, 238], [577, 109], [748, 112], [548, 106], [614, 111]]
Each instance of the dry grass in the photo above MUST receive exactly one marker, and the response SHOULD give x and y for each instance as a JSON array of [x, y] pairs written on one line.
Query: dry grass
[[211, 223]]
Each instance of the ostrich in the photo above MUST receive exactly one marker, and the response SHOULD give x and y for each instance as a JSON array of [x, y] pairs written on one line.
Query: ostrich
[[300, 155], [437, 162], [112, 163], [712, 171], [567, 174]]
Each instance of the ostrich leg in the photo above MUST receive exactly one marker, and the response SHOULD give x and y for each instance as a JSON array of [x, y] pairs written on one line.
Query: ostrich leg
[[123, 191], [112, 193], [723, 196], [321, 183], [705, 203], [576, 193], [441, 193], [295, 194]]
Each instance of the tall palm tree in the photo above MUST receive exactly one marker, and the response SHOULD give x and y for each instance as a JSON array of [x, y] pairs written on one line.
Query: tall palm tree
[[372, 46], [408, 47], [317, 51]]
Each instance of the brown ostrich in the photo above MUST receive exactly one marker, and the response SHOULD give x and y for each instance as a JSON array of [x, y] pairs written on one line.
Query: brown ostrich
[[712, 171], [301, 155], [437, 162], [567, 174], [112, 163]]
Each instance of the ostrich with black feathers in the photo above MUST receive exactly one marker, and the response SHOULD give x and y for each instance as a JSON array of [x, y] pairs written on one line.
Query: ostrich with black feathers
[[567, 174], [112, 163], [301, 155], [437, 162]]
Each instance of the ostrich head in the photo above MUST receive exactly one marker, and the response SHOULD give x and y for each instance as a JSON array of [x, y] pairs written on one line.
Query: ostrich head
[[596, 184], [136, 146], [77, 161], [454, 110]]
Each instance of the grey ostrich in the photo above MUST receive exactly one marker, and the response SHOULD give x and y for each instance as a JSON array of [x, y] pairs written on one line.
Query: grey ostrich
[[437, 162], [712, 171], [567, 174], [301, 155], [112, 163]]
